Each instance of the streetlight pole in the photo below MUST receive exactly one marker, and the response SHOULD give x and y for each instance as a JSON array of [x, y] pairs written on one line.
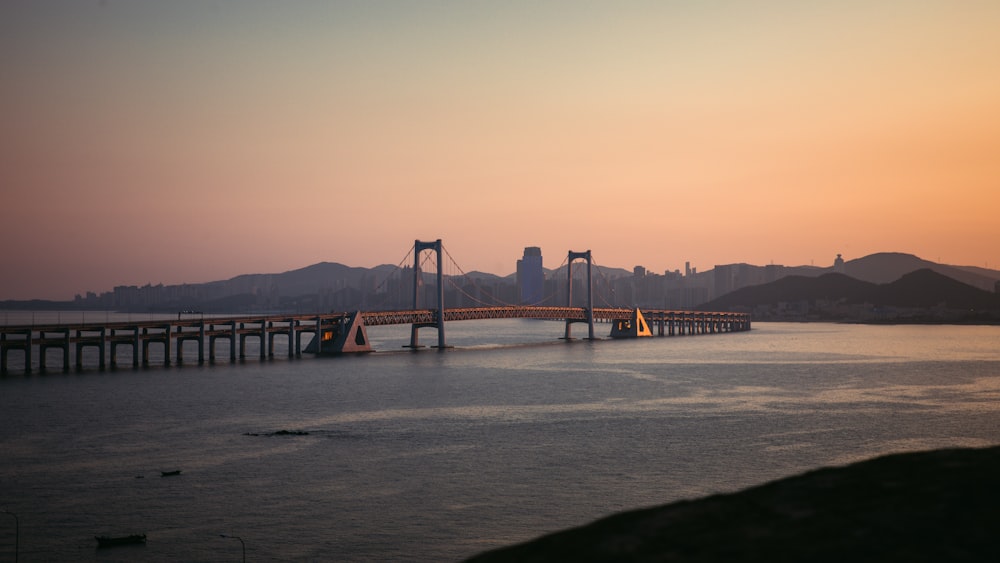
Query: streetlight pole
[[241, 544], [17, 533]]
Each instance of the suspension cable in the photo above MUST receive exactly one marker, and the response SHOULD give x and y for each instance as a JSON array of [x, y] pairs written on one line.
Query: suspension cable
[[555, 293], [398, 269], [496, 300], [607, 280], [452, 263]]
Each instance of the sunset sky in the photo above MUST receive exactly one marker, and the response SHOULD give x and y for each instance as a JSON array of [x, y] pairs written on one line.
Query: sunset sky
[[189, 141]]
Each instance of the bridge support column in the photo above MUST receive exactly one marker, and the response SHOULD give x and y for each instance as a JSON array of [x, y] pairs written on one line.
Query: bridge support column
[[44, 343], [156, 334], [201, 342], [129, 338], [179, 349], [418, 279], [243, 342], [97, 341], [590, 293], [232, 341], [16, 344], [182, 336], [136, 346], [263, 339], [231, 336]]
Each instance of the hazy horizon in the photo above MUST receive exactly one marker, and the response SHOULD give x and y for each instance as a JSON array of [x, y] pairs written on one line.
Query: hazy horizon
[[186, 142]]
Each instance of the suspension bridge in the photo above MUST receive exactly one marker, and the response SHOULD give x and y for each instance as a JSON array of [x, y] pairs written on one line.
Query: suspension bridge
[[346, 332]]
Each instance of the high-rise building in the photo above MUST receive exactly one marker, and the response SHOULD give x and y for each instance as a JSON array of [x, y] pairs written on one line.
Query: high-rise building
[[531, 276]]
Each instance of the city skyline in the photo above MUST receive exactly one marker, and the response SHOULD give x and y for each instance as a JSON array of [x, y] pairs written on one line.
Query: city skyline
[[338, 285], [186, 142]]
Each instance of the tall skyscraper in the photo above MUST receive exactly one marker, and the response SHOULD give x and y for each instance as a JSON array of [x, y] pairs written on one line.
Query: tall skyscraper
[[531, 276]]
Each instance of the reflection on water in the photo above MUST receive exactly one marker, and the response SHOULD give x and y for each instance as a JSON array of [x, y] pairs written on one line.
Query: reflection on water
[[435, 456]]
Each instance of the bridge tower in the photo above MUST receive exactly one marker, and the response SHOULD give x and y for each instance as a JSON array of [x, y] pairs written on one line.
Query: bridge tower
[[418, 248], [590, 293]]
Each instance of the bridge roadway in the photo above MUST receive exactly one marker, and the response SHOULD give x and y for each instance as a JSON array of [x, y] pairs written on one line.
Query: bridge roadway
[[654, 316], [107, 337]]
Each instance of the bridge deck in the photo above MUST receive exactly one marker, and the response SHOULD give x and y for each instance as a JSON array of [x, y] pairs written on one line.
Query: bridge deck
[[205, 331]]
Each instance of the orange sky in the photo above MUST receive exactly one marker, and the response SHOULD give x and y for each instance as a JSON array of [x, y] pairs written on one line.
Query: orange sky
[[170, 142]]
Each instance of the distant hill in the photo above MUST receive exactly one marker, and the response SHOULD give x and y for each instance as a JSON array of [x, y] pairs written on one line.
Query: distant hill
[[333, 285], [885, 267], [929, 288], [923, 288], [304, 280], [876, 268], [985, 272], [794, 288]]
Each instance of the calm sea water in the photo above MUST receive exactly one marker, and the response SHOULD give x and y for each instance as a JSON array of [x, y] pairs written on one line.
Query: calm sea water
[[435, 456]]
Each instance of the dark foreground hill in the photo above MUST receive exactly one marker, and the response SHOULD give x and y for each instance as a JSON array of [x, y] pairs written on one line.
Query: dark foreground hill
[[930, 506]]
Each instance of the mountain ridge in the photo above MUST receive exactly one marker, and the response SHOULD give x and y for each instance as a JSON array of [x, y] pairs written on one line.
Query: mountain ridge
[[921, 289], [885, 267], [326, 285]]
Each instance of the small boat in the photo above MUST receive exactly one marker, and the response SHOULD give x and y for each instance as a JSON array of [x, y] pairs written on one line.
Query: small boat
[[108, 541], [170, 473]]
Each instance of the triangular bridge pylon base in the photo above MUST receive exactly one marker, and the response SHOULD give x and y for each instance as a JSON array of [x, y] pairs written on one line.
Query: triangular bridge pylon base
[[635, 327], [348, 336]]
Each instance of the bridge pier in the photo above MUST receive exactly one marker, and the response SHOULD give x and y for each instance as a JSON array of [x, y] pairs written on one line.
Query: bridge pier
[[263, 339], [202, 332], [260, 333], [131, 339], [84, 340], [22, 341], [183, 336], [156, 334], [214, 334], [298, 341], [321, 341], [352, 337], [287, 331], [346, 334], [44, 343], [635, 327]]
